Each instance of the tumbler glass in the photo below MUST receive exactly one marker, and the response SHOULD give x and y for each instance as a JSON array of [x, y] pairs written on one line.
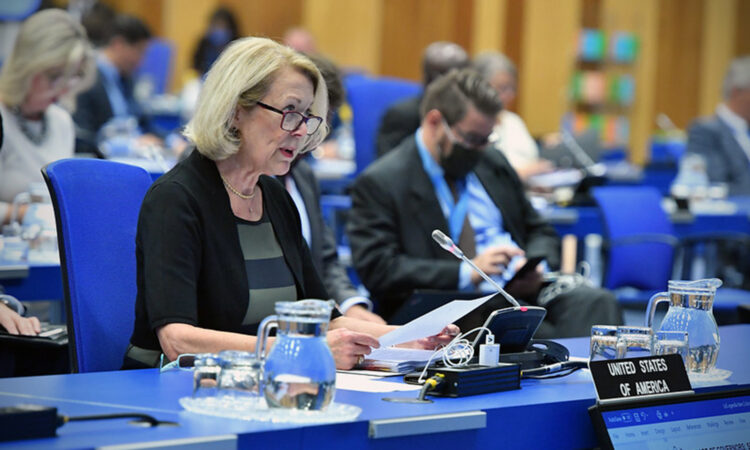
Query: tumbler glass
[[207, 367], [240, 374], [634, 342], [603, 342]]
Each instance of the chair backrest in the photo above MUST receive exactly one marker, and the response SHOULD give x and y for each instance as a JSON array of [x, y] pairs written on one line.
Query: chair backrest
[[156, 64], [369, 98], [96, 207], [629, 212]]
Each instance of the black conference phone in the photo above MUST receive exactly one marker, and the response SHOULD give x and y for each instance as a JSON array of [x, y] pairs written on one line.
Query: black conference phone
[[514, 329]]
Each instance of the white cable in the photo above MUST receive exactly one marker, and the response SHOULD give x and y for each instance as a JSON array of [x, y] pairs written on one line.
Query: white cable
[[459, 348]]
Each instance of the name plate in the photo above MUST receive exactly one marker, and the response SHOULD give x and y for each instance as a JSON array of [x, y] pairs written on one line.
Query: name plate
[[635, 377]]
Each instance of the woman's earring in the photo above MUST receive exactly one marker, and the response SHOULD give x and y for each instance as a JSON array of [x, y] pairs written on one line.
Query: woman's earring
[[234, 132]]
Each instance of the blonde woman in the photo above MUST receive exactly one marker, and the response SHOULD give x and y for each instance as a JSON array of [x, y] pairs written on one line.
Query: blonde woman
[[51, 61], [219, 241]]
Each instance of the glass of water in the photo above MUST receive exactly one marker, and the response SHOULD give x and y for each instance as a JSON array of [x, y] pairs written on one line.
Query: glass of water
[[634, 342], [240, 374], [668, 342], [207, 367], [603, 342]]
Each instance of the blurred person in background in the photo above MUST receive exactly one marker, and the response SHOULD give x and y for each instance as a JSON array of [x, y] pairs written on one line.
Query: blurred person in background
[[723, 140], [300, 39], [402, 119], [111, 96], [222, 30], [510, 134], [97, 21], [51, 62], [304, 189]]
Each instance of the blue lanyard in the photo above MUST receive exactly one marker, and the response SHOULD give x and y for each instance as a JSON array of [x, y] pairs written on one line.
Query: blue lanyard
[[456, 211]]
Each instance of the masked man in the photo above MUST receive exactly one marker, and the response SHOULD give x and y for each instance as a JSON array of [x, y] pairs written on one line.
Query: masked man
[[443, 178]]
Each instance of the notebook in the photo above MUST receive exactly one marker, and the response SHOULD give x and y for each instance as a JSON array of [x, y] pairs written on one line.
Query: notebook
[[717, 419]]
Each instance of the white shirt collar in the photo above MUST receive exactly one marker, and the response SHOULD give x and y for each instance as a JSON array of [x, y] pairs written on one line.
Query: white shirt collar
[[735, 122]]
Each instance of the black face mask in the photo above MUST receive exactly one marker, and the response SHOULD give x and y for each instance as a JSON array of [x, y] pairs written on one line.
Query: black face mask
[[460, 161]]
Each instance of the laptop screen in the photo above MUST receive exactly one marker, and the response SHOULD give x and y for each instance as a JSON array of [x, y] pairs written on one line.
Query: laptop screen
[[706, 420]]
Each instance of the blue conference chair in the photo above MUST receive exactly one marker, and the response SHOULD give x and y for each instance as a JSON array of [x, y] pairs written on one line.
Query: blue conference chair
[[643, 253], [96, 206], [369, 98], [156, 64]]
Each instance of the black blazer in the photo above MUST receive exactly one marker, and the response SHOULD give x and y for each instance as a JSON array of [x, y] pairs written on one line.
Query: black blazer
[[323, 242], [190, 267], [726, 162], [399, 121], [395, 209]]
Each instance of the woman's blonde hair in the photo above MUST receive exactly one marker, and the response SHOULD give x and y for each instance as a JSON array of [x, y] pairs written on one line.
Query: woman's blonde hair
[[48, 39], [240, 77]]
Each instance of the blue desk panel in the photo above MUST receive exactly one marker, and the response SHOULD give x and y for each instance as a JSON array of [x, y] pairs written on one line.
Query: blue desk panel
[[543, 414]]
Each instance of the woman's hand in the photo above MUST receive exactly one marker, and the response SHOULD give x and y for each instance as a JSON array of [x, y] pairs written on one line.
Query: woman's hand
[[432, 342], [348, 346]]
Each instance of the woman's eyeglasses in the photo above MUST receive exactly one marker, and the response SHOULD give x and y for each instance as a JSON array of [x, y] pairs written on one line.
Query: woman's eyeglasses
[[292, 120]]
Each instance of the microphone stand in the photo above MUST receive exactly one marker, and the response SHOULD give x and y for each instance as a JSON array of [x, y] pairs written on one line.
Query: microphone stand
[[447, 243]]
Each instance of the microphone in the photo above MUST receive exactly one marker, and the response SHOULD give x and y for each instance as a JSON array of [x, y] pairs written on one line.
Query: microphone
[[448, 244], [589, 166]]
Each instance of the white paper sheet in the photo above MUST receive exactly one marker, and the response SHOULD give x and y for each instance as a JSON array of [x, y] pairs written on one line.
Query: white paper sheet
[[433, 322], [363, 383], [403, 354]]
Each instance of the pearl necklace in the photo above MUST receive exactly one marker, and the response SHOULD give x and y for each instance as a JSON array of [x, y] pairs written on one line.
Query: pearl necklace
[[235, 191]]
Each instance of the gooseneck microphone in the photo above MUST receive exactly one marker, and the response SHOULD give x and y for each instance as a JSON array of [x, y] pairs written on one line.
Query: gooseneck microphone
[[448, 244]]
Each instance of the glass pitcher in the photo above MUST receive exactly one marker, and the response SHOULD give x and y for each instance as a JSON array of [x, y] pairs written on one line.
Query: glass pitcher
[[299, 371], [690, 309]]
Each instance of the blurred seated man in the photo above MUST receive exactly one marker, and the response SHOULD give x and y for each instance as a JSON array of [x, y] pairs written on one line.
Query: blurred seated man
[[301, 40], [402, 119], [723, 139], [510, 134], [443, 178], [112, 94], [302, 185]]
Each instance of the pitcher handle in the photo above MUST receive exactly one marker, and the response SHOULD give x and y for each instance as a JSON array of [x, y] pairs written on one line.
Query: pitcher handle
[[264, 329], [653, 302]]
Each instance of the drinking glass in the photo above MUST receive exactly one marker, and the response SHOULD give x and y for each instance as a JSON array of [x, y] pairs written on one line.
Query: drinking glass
[[603, 342], [668, 342], [634, 342], [207, 367], [240, 374]]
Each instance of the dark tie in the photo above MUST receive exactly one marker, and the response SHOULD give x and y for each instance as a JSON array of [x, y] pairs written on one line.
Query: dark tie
[[467, 240]]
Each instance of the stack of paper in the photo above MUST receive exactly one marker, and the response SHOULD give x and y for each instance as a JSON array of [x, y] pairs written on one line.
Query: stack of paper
[[394, 359]]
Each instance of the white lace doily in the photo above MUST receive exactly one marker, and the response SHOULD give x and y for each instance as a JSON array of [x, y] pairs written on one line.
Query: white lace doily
[[257, 409], [711, 376]]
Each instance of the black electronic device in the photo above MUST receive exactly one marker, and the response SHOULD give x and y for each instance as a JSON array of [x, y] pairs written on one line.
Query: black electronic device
[[539, 353], [28, 422], [713, 419], [472, 379], [513, 327], [529, 266], [50, 335]]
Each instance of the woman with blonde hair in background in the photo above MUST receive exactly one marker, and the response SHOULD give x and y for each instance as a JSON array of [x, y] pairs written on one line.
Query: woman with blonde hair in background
[[51, 62]]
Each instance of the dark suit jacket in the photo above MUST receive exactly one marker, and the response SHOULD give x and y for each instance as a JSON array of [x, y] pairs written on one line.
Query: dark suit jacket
[[395, 209], [399, 121], [725, 160], [92, 111], [323, 242]]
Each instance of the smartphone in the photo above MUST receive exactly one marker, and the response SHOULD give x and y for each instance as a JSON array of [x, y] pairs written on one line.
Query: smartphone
[[530, 265]]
